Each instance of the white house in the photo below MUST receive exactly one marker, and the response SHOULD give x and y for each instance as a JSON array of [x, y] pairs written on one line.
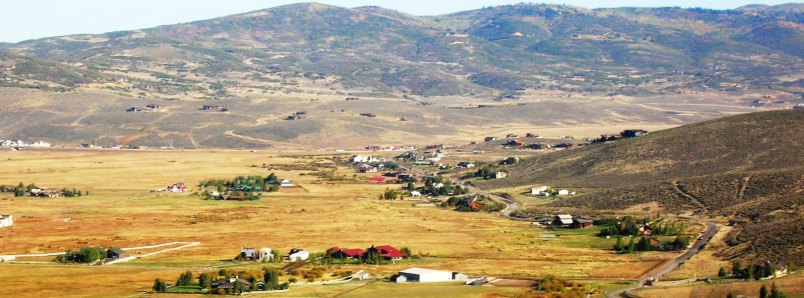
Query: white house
[[286, 183], [563, 192], [427, 275], [415, 193], [538, 190], [266, 254], [364, 159], [360, 275], [500, 175], [298, 255], [6, 221]]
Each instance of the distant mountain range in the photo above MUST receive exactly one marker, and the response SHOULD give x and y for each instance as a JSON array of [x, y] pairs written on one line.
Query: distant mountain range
[[496, 52]]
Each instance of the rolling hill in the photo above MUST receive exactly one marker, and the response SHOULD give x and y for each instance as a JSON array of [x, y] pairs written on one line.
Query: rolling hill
[[497, 51], [535, 65], [748, 168]]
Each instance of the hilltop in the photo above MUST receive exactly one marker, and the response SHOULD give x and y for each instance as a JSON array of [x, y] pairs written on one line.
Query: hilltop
[[496, 51], [747, 168], [540, 66]]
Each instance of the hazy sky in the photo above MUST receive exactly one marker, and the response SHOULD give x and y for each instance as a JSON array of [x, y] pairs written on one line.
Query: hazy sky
[[29, 19]]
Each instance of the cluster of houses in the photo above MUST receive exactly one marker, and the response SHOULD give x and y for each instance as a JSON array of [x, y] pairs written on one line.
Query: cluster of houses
[[214, 108], [545, 191], [390, 148], [149, 107], [628, 133], [386, 252], [46, 192], [6, 221], [23, 144]]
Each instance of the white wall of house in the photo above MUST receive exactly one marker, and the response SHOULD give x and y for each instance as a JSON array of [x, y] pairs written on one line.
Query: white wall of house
[[6, 221]]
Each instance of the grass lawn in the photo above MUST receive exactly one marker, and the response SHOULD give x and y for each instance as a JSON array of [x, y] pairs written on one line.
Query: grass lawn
[[186, 289]]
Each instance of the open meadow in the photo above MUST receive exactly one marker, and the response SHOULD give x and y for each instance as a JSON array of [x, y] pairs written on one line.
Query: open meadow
[[121, 211]]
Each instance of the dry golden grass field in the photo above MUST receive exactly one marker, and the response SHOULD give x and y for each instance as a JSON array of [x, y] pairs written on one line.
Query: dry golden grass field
[[122, 212]]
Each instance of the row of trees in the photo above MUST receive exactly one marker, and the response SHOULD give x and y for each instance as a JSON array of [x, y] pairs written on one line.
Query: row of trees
[[255, 182], [270, 281], [756, 272], [630, 226], [21, 190], [84, 255], [649, 244]]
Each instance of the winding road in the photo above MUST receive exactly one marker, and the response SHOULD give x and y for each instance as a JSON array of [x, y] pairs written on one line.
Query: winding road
[[711, 228], [656, 273]]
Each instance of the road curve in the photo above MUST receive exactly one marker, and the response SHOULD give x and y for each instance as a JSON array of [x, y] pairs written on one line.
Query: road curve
[[711, 228]]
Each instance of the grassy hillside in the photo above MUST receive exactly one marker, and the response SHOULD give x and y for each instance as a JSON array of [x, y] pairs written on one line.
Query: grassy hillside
[[495, 52], [744, 143], [747, 168]]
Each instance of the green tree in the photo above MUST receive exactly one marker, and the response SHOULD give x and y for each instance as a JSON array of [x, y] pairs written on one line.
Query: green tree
[[775, 292], [159, 286], [618, 246], [406, 251], [271, 279], [737, 268], [205, 280], [631, 246], [763, 292], [730, 295], [185, 279], [722, 272]]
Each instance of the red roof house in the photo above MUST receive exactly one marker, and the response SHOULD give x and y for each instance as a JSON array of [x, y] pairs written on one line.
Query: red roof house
[[387, 252], [378, 179]]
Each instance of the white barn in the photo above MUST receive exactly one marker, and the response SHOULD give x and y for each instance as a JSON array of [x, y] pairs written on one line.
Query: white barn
[[427, 275], [6, 221], [298, 255]]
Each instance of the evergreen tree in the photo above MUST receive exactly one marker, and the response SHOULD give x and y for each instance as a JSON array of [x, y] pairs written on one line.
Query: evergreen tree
[[722, 272], [619, 245], [271, 279], [737, 269], [205, 280], [631, 246], [775, 292], [763, 292]]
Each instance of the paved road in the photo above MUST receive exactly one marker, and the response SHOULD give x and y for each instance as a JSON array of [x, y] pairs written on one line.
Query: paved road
[[711, 228], [510, 206]]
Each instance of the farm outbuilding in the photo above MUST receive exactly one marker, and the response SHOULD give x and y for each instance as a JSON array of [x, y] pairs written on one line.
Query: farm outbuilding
[[427, 275]]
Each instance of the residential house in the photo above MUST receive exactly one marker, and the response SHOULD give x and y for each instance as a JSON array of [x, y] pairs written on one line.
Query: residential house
[[286, 183], [633, 133], [153, 106], [233, 198], [511, 136], [297, 254], [563, 221], [427, 275], [465, 165], [6, 221], [515, 143], [378, 179], [645, 230], [115, 253], [177, 187], [490, 139], [210, 107], [475, 206], [46, 193], [364, 159], [582, 223], [339, 253], [133, 109], [563, 192], [539, 190], [500, 175], [248, 254], [537, 146], [387, 252], [230, 283], [415, 194], [367, 169], [266, 254]]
